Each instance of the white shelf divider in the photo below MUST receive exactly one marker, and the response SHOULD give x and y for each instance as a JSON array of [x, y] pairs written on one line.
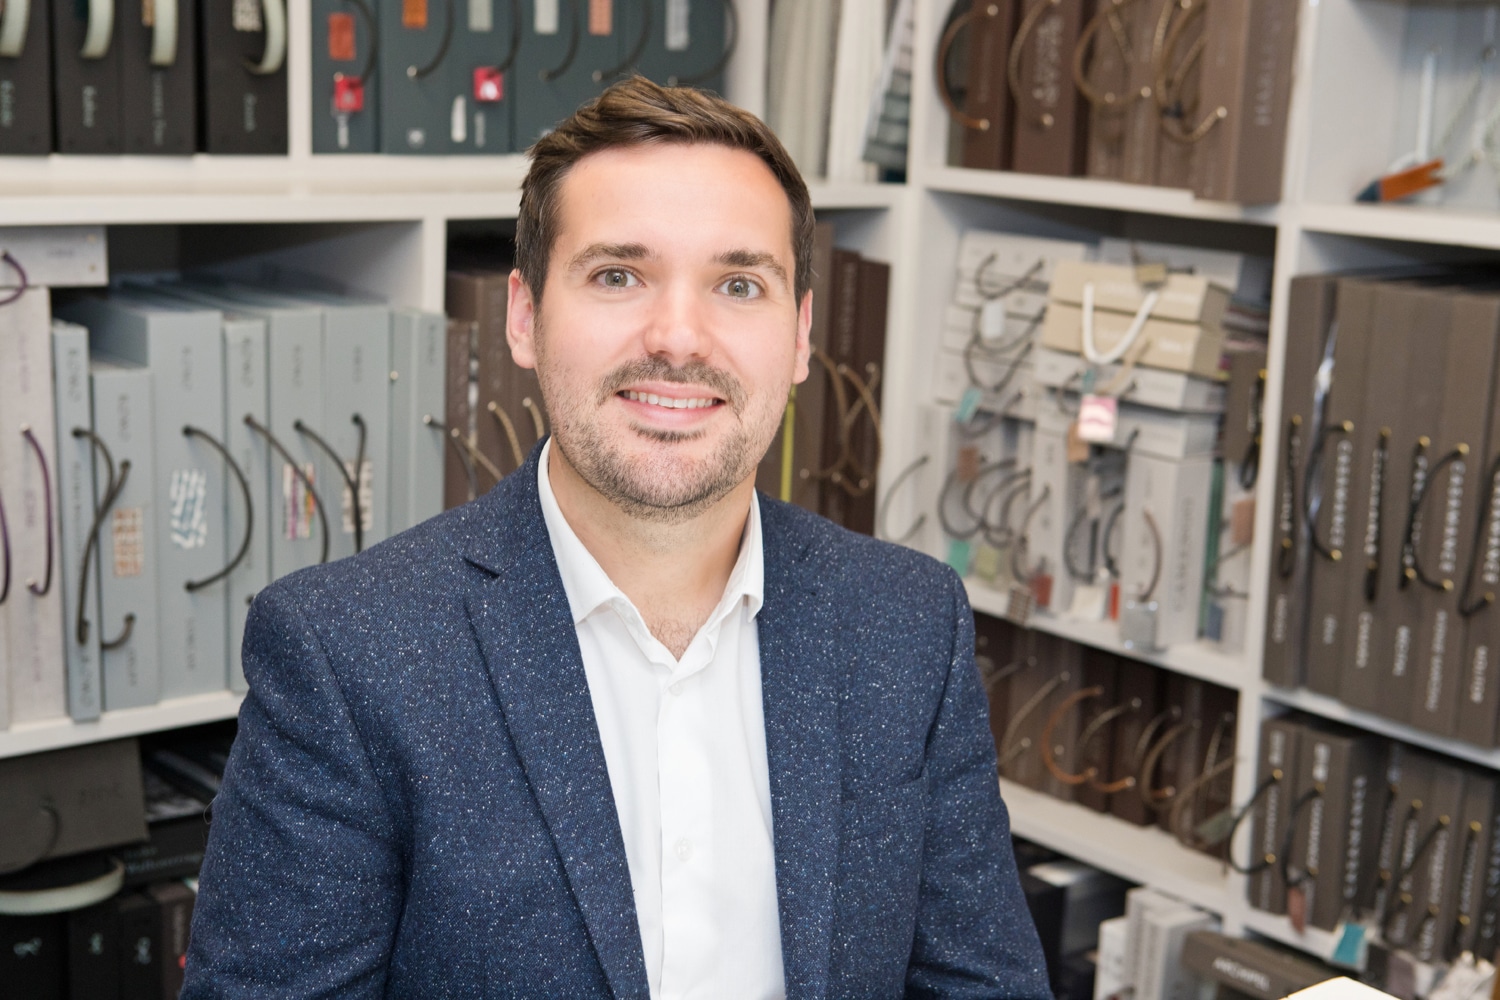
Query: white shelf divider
[[1331, 708], [1140, 854], [54, 734]]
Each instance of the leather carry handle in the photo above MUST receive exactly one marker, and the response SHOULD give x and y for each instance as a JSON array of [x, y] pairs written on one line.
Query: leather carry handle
[[415, 72], [1271, 780], [113, 488], [1312, 499], [1018, 551], [273, 57], [42, 589], [1043, 119], [882, 519], [244, 550], [1168, 84], [1304, 800], [1410, 553], [863, 480], [517, 28], [373, 27], [1467, 606], [548, 75], [945, 47], [1096, 726], [1103, 100], [1010, 749], [1397, 899], [1048, 757], [351, 480], [1154, 797], [731, 42], [297, 471], [508, 428], [634, 55]]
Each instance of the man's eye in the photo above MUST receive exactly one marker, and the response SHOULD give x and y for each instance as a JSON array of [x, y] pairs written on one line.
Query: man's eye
[[616, 278], [740, 288]]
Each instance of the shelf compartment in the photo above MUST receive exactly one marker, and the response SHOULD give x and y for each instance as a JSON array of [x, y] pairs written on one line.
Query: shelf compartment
[[1192, 659], [1139, 854], [1331, 708], [1087, 192], [54, 734]]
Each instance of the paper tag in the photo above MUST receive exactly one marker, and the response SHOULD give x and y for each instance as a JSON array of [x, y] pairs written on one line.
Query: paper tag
[[967, 467], [481, 15], [348, 94], [297, 510], [601, 17], [1090, 602], [1040, 585], [128, 528], [1020, 605], [1151, 273], [958, 555], [1098, 417], [366, 499], [1242, 521], [245, 16], [992, 320], [341, 37], [1352, 946], [489, 85], [968, 405], [679, 34], [987, 561], [1296, 908], [544, 16], [187, 523], [414, 14], [1077, 447], [148, 13]]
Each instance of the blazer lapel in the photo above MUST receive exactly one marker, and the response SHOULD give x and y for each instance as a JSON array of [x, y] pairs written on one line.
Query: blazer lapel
[[799, 663], [526, 633]]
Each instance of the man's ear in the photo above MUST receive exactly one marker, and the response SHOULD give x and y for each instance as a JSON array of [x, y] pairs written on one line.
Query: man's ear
[[804, 332], [520, 321]]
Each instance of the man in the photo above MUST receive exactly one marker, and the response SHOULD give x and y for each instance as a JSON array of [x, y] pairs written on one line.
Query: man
[[621, 727]]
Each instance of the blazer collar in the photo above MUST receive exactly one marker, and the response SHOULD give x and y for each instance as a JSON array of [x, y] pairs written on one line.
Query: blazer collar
[[524, 625]]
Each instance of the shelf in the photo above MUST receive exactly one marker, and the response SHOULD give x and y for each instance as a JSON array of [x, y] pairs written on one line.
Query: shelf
[[1139, 854], [1411, 223], [1114, 195], [1193, 659], [146, 190], [52, 734], [1332, 708]]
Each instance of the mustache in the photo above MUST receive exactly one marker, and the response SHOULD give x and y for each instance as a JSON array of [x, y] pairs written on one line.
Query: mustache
[[654, 369]]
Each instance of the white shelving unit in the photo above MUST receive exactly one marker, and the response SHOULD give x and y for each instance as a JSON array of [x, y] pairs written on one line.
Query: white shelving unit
[[381, 225]]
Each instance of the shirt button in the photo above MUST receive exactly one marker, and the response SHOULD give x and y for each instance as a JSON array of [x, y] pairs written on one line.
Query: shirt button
[[675, 689], [684, 849]]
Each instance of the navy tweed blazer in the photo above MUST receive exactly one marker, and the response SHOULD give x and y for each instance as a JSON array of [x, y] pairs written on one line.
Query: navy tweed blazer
[[417, 803]]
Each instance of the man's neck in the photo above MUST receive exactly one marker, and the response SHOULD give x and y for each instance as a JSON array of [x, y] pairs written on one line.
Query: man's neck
[[674, 573]]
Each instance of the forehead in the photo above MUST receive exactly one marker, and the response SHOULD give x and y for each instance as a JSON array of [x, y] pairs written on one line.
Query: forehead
[[674, 194]]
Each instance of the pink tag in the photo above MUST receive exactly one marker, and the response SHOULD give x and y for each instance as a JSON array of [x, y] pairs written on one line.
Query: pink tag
[[489, 85], [1098, 417]]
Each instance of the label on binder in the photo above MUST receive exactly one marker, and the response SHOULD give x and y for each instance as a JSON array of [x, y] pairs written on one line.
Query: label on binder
[[366, 499], [544, 17], [489, 85], [245, 16], [127, 527], [341, 37], [679, 36], [601, 17], [187, 523], [348, 94], [297, 510], [481, 15], [414, 14]]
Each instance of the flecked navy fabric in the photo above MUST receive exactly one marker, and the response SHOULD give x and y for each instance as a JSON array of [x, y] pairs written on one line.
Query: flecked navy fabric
[[417, 803]]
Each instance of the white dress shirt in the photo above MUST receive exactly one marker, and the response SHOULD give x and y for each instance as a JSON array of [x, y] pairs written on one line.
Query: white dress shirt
[[685, 745]]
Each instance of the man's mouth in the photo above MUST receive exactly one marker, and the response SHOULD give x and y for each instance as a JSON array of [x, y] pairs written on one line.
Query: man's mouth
[[671, 403]]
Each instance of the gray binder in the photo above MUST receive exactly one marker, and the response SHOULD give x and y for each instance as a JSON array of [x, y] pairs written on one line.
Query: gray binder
[[416, 464], [31, 617], [418, 112], [557, 62], [77, 560], [128, 563], [344, 51], [486, 42], [355, 382], [182, 346], [294, 359], [246, 391]]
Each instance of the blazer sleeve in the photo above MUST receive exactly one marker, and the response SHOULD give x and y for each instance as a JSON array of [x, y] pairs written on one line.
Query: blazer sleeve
[[974, 934], [300, 891]]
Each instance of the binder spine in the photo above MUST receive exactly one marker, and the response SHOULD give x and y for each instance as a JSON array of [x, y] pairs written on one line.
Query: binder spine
[[246, 392], [417, 448]]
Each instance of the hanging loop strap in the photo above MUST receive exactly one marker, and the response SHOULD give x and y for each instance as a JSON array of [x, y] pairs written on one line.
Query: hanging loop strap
[[112, 490], [351, 480], [1107, 101], [1313, 497], [1261, 864], [1132, 333], [882, 519], [239, 475], [634, 55], [1054, 768], [983, 8], [1096, 726], [15, 265], [731, 42], [415, 72], [1152, 796], [1010, 748], [1412, 556], [508, 428], [1044, 119], [1468, 607], [1304, 800], [548, 75], [42, 589]]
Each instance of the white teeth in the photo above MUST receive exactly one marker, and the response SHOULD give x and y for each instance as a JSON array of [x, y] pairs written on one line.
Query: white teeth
[[667, 401]]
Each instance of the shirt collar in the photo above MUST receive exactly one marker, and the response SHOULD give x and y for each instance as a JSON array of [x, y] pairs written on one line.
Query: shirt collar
[[589, 588]]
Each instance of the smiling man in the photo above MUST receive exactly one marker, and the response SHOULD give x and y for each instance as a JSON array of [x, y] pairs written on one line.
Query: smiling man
[[622, 727]]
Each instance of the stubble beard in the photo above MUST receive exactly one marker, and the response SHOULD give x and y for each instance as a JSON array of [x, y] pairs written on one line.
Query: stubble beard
[[662, 486]]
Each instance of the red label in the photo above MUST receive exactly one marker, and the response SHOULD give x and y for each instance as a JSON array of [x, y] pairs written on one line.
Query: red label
[[601, 17], [414, 14], [341, 37], [489, 85], [348, 94]]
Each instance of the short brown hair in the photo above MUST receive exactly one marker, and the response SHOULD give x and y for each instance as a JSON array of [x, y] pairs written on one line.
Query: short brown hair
[[636, 112]]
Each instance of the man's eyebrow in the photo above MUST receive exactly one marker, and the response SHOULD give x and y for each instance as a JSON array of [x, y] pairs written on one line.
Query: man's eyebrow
[[609, 251], [753, 259]]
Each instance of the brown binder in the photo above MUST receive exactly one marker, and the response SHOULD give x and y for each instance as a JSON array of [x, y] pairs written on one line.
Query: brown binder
[[1310, 312], [1104, 63], [1330, 489], [997, 646], [1452, 502], [460, 484], [1051, 124], [1432, 800], [1091, 744], [1062, 661], [1477, 863], [1280, 745], [1479, 699], [1342, 774], [987, 100], [1142, 118], [1177, 91], [867, 379], [843, 335], [1140, 693], [1249, 51]]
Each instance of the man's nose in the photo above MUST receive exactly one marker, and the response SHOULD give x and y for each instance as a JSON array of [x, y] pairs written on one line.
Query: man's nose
[[677, 329]]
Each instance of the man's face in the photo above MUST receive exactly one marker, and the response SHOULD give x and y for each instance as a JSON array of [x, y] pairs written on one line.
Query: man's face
[[669, 332]]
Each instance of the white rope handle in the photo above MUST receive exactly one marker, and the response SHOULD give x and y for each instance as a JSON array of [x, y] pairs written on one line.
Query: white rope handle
[[1091, 352]]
